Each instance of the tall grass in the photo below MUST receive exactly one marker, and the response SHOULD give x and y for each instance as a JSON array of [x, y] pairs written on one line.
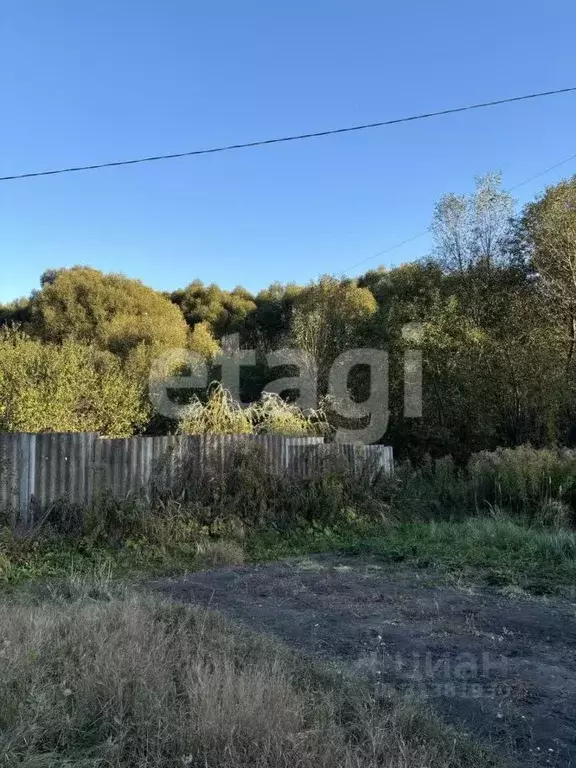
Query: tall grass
[[221, 414], [538, 486], [524, 478], [251, 497], [98, 680]]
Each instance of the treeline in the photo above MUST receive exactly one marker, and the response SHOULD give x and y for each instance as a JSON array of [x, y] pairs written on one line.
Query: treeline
[[493, 308]]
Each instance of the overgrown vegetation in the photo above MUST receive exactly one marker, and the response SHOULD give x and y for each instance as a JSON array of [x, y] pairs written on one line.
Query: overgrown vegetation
[[71, 387], [219, 413], [510, 514], [537, 486], [494, 303], [90, 677]]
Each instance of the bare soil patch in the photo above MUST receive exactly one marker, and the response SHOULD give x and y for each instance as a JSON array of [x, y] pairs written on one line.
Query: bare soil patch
[[502, 666]]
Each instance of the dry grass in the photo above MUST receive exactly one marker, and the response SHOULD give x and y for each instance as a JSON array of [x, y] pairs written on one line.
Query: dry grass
[[219, 413], [95, 679], [211, 554]]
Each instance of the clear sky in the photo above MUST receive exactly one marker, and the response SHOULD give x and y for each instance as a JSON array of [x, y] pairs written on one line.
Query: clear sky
[[87, 81]]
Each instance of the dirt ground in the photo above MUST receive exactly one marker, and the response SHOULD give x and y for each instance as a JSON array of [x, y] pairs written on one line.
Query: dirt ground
[[501, 666]]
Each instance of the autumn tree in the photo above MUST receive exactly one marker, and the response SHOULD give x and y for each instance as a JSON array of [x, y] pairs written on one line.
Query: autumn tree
[[68, 387], [111, 311], [224, 312], [329, 317]]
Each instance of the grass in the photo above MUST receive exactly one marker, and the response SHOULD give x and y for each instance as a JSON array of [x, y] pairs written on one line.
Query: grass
[[496, 551], [22, 562], [96, 677], [500, 552]]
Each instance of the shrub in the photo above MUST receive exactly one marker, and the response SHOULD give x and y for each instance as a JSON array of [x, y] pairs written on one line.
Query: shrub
[[250, 495], [221, 414], [538, 485], [73, 387], [273, 415]]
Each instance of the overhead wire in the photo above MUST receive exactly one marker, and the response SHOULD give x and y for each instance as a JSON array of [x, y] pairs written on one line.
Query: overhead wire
[[424, 232], [284, 139]]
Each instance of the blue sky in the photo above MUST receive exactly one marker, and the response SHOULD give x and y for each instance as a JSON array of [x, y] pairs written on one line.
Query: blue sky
[[84, 82]]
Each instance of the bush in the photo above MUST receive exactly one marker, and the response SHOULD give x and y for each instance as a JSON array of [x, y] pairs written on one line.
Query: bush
[[221, 414], [437, 489], [249, 496], [73, 387], [538, 485]]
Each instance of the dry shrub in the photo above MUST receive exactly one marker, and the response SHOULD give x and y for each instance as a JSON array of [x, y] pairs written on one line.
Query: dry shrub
[[273, 415], [220, 414], [135, 682]]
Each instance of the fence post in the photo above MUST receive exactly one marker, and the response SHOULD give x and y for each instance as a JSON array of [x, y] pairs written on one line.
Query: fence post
[[27, 484]]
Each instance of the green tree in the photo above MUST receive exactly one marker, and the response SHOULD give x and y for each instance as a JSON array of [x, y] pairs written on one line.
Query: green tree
[[549, 233], [224, 311], [111, 311], [71, 387], [15, 313], [329, 317]]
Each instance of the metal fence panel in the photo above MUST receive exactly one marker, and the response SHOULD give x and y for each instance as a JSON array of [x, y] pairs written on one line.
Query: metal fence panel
[[63, 468], [38, 470], [10, 472]]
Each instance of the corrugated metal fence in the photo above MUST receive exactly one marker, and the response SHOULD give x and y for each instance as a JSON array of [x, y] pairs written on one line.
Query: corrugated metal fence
[[38, 469]]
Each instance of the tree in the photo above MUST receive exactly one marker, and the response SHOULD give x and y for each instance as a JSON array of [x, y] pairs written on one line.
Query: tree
[[224, 311], [111, 311], [202, 341], [268, 326], [329, 317], [549, 230], [72, 387], [473, 230], [15, 313]]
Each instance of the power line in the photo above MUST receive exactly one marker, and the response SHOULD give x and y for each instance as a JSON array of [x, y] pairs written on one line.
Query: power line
[[542, 173], [264, 142], [386, 250], [425, 231]]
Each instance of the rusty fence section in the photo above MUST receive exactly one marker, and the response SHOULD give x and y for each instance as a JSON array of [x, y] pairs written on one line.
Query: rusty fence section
[[36, 470]]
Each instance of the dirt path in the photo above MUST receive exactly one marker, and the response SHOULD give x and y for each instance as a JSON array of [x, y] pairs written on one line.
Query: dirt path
[[503, 667]]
